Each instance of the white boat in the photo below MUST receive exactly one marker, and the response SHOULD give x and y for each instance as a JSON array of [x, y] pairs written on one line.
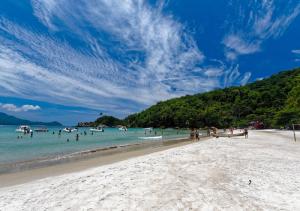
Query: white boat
[[151, 138], [69, 130], [41, 129], [148, 129], [97, 129], [123, 128], [23, 129]]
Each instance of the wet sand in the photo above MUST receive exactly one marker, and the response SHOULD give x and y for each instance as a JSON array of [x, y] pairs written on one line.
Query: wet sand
[[87, 160]]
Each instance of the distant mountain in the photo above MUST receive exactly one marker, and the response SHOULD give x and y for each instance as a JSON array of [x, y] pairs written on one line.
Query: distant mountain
[[11, 120]]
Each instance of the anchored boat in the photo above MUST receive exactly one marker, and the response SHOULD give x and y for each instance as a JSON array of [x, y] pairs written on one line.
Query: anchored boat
[[41, 129], [23, 129], [97, 129], [69, 130], [123, 128]]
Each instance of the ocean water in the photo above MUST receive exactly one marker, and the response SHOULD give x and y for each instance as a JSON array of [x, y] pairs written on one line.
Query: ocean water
[[50, 144]]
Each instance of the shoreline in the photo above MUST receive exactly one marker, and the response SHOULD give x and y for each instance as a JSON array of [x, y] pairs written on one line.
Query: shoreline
[[40, 162], [79, 161]]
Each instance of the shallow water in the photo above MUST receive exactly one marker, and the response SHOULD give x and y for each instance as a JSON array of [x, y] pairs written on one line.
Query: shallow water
[[41, 145]]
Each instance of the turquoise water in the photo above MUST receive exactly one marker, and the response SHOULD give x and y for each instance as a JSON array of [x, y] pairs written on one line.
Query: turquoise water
[[43, 145]]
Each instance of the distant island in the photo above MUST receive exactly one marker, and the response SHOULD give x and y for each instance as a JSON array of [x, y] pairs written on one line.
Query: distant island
[[11, 120], [109, 121], [274, 102]]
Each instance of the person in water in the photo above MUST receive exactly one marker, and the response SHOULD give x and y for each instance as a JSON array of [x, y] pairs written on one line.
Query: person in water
[[31, 134], [77, 137]]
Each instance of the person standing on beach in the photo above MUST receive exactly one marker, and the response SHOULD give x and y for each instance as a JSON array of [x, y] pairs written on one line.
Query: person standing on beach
[[192, 134], [197, 135], [246, 132]]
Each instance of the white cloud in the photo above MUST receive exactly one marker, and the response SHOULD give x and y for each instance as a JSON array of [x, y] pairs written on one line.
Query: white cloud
[[43, 9], [146, 48], [236, 45], [213, 71], [296, 51], [127, 55], [232, 76], [259, 79], [258, 21], [23, 108], [245, 78]]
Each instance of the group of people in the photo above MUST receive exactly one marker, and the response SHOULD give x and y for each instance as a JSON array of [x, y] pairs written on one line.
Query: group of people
[[53, 133], [25, 133], [195, 134], [245, 131], [77, 135]]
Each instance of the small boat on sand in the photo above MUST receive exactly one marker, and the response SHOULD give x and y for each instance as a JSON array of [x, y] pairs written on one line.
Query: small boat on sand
[[69, 130], [97, 129], [23, 129]]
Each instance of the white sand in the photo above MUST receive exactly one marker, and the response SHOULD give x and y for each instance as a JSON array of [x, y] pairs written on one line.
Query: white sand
[[209, 175]]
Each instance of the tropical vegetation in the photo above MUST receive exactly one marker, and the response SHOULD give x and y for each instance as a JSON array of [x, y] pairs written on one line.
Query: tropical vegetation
[[275, 101]]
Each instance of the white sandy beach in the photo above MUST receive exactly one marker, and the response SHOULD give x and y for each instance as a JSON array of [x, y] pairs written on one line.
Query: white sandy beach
[[208, 175]]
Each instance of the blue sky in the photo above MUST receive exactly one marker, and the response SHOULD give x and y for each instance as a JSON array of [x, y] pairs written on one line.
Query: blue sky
[[69, 62]]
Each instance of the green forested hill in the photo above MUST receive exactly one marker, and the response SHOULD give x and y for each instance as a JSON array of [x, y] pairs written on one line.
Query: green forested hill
[[274, 101], [109, 121]]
